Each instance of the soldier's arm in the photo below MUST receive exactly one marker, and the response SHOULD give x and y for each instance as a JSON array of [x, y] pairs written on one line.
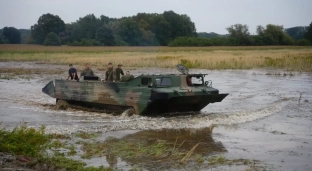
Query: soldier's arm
[[92, 73], [122, 73], [106, 76], [81, 74]]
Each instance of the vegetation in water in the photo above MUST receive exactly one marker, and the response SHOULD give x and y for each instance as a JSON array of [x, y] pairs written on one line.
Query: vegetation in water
[[34, 143], [55, 152]]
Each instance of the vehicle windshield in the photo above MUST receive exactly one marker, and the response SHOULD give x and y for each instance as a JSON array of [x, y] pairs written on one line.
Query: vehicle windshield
[[163, 81], [194, 80]]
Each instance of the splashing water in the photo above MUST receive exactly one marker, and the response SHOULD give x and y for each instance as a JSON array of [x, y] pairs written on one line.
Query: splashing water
[[123, 122]]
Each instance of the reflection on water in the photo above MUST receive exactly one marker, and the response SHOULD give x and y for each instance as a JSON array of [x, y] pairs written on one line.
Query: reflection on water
[[111, 160], [182, 140], [187, 137]]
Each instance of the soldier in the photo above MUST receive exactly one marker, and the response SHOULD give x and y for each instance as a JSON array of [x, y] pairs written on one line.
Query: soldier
[[119, 71], [110, 75], [127, 77], [72, 73], [87, 72]]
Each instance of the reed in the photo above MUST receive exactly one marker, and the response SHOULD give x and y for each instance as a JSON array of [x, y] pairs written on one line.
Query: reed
[[291, 58]]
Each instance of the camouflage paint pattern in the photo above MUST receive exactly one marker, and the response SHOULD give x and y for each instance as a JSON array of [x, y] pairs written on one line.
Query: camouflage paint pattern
[[141, 93]]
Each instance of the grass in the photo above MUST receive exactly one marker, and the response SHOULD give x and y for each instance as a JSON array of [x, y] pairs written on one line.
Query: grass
[[85, 135], [34, 143], [292, 58], [23, 141], [53, 152], [29, 71], [134, 150], [24, 73]]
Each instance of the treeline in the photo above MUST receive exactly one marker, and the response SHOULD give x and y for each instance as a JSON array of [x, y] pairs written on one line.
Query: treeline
[[10, 35], [239, 36], [139, 30], [166, 29]]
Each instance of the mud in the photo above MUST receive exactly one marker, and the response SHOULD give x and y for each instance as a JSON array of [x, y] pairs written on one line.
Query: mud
[[266, 117]]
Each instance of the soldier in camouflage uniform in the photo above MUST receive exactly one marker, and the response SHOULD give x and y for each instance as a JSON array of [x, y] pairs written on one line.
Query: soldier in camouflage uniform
[[119, 72], [87, 72], [127, 77], [110, 75]]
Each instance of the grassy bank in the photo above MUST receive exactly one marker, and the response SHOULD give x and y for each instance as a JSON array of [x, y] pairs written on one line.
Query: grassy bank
[[38, 150], [273, 57]]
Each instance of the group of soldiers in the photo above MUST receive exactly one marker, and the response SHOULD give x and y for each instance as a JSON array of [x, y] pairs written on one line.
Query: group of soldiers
[[111, 74]]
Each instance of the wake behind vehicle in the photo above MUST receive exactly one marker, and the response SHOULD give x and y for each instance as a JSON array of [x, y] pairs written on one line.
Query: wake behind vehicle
[[146, 94]]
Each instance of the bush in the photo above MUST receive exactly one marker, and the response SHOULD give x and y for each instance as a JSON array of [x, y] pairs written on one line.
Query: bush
[[85, 42], [23, 141], [52, 40], [190, 41], [303, 42]]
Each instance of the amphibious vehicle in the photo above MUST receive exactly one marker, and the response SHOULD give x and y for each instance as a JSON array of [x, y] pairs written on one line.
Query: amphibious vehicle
[[146, 94]]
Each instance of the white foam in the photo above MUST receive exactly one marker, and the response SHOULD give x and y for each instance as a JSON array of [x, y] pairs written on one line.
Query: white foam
[[148, 123]]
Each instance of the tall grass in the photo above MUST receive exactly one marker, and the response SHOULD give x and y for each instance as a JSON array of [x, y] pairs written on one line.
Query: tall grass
[[276, 57]]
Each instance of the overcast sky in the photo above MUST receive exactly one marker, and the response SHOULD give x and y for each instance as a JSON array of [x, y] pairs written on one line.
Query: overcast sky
[[208, 15]]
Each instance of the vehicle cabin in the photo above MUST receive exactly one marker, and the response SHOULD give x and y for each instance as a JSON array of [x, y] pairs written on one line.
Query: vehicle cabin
[[172, 80]]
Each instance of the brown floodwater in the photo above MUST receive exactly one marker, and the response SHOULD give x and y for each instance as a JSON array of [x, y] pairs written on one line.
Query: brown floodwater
[[266, 117]]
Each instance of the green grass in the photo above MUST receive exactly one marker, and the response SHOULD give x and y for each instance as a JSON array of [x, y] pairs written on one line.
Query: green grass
[[137, 150], [34, 143], [24, 141]]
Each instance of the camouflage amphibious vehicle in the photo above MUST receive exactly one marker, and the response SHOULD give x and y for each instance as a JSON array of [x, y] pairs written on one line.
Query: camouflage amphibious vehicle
[[146, 94]]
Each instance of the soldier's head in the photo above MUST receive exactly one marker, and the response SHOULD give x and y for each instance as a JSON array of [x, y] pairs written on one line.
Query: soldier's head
[[70, 65], [119, 65], [128, 73], [87, 66], [110, 65]]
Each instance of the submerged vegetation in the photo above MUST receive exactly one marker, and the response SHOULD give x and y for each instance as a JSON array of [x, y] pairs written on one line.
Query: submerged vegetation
[[272, 57]]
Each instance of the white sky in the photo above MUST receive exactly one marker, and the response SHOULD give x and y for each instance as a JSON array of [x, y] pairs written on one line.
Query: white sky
[[208, 15]]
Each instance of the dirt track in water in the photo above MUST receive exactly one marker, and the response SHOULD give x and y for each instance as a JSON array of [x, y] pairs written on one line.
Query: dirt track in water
[[262, 119]]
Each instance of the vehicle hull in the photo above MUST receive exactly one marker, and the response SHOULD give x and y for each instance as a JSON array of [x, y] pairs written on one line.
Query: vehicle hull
[[144, 100]]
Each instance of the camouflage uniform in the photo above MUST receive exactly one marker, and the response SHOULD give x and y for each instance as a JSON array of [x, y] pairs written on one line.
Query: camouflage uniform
[[127, 78], [87, 72], [110, 75], [118, 71]]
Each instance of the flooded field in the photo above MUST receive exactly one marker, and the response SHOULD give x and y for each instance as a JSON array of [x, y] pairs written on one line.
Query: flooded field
[[264, 123]]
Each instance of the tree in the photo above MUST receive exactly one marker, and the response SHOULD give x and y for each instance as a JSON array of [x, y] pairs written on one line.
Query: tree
[[208, 35], [130, 32], [46, 23], [296, 33], [52, 40], [275, 35], [105, 36], [308, 34], [179, 25], [239, 35], [86, 27], [11, 35], [161, 28], [260, 29]]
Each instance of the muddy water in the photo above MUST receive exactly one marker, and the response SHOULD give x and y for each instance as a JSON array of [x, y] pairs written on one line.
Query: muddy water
[[261, 119]]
